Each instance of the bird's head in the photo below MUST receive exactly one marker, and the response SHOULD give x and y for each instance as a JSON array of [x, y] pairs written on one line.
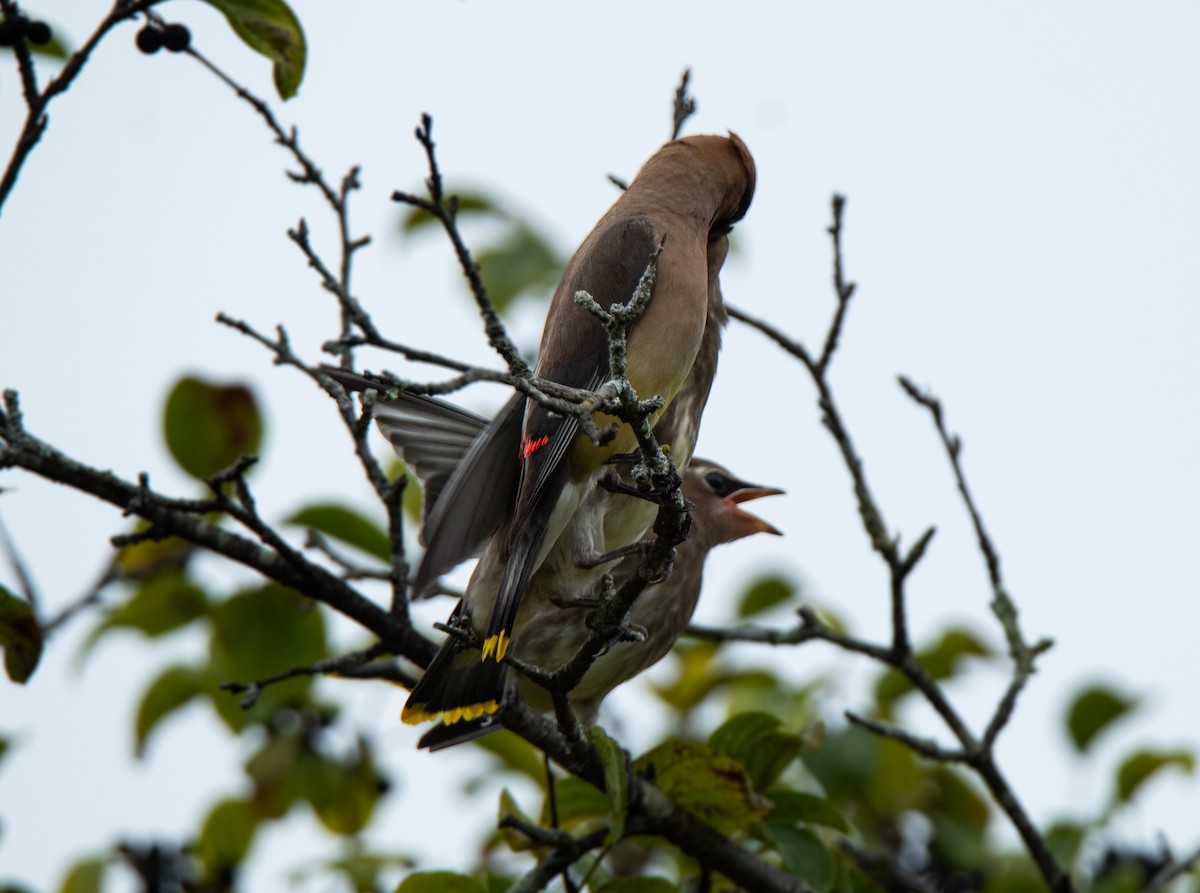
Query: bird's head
[[717, 496]]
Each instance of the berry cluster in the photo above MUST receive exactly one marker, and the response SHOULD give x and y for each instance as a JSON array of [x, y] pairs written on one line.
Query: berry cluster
[[175, 37], [12, 30]]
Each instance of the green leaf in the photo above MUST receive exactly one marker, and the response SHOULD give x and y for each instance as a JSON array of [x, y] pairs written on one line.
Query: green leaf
[[637, 885], [271, 28], [163, 603], [1141, 766], [806, 809], [259, 632], [226, 836], [520, 262], [20, 637], [616, 780], [756, 741], [697, 676], [803, 855], [342, 793], [439, 882], [764, 594], [347, 525], [208, 427], [173, 688], [960, 815], [1065, 840], [712, 786], [1094, 710], [85, 876], [880, 774]]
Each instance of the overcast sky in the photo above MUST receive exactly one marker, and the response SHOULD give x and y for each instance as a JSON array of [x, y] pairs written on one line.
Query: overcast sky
[[1022, 223]]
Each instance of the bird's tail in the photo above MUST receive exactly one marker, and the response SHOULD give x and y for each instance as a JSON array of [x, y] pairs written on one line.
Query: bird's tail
[[457, 686], [442, 736]]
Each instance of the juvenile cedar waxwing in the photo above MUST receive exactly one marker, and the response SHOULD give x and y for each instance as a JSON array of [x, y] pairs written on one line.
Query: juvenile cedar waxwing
[[687, 196], [662, 612], [537, 510], [431, 435]]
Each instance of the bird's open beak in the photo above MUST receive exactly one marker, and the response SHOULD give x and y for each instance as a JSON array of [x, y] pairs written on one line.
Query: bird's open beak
[[753, 523]]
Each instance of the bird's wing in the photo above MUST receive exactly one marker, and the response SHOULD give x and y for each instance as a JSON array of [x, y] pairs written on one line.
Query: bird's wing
[[466, 464], [575, 351], [477, 498], [431, 436]]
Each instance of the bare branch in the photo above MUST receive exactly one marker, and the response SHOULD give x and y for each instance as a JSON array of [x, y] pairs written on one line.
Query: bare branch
[[36, 119], [185, 518], [979, 754], [1173, 870], [331, 666], [28, 589], [926, 747], [445, 210]]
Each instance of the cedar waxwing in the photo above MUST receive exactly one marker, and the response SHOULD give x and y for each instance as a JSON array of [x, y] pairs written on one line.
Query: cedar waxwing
[[661, 612], [432, 436], [689, 194], [537, 510]]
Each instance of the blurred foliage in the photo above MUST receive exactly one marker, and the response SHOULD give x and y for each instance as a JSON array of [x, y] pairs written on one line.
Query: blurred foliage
[[208, 427], [519, 262], [753, 752], [1092, 711], [767, 592], [942, 660], [20, 636]]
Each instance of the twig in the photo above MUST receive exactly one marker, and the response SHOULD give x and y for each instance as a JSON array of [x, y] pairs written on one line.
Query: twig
[[565, 850], [28, 589], [330, 666], [684, 106], [110, 574], [445, 210], [351, 570], [927, 747], [36, 103], [1023, 655], [1173, 870], [338, 200], [185, 518], [977, 753]]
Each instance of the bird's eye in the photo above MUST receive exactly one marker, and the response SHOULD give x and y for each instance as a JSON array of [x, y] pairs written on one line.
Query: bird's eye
[[717, 481]]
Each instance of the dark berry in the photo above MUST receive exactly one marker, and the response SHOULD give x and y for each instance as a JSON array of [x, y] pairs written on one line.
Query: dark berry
[[149, 40], [176, 38], [12, 30], [39, 33]]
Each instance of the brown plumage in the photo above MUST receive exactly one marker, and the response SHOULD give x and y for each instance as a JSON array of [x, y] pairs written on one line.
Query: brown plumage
[[433, 436], [544, 517], [553, 634]]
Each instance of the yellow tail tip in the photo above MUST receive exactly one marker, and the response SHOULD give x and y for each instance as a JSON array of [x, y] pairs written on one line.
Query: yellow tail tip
[[417, 714], [496, 645]]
